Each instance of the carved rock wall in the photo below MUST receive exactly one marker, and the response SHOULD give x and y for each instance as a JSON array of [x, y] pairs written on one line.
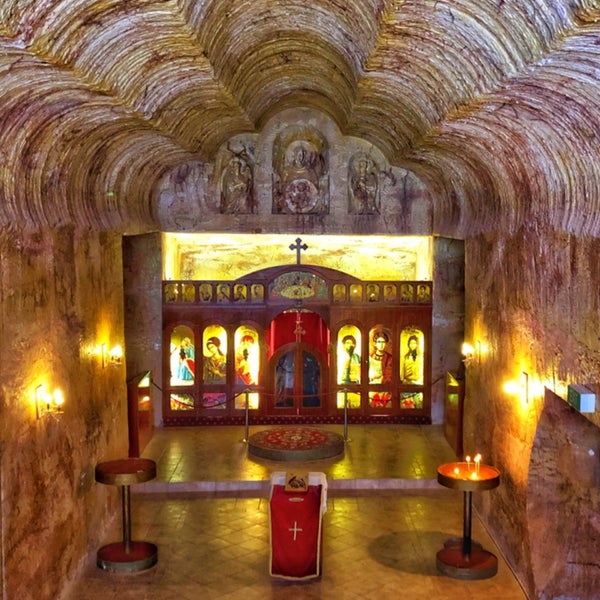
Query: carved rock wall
[[142, 274], [61, 296], [532, 303], [564, 490]]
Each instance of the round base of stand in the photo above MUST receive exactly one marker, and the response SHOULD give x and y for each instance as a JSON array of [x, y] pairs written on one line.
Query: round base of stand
[[117, 557], [480, 564]]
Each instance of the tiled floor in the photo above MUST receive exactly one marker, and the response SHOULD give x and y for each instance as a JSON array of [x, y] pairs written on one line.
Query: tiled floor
[[207, 511]]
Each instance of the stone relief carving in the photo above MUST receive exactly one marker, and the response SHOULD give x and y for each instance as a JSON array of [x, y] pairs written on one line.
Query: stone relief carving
[[300, 172], [237, 184], [181, 197], [363, 185], [294, 167]]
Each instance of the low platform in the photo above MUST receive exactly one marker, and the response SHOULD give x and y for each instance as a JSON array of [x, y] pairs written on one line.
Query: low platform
[[296, 444]]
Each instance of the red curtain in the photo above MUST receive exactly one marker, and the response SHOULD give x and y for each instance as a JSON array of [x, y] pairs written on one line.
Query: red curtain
[[284, 326]]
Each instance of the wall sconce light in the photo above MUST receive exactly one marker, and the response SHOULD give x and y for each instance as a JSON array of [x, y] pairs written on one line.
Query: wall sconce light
[[472, 354], [115, 356], [467, 351], [47, 403], [519, 388]]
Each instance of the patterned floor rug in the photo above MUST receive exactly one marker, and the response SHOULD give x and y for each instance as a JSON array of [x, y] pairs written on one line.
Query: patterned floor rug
[[296, 444]]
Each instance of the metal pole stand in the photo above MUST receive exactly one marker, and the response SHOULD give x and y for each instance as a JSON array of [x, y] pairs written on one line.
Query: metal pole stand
[[464, 558], [126, 555], [346, 438], [247, 417]]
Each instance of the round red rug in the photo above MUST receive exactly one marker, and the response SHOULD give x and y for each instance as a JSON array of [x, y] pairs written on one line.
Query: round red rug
[[296, 444]]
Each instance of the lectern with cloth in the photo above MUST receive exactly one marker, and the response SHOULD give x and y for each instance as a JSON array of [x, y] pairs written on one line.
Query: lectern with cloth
[[296, 507]]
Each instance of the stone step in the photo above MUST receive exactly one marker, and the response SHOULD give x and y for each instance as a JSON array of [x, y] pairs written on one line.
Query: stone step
[[260, 488]]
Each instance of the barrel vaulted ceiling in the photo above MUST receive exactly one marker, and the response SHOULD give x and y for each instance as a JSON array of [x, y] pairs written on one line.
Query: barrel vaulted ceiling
[[494, 104]]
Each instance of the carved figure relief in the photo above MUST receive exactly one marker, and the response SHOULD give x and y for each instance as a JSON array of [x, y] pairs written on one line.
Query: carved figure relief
[[287, 168], [237, 186], [181, 197], [300, 173], [363, 185]]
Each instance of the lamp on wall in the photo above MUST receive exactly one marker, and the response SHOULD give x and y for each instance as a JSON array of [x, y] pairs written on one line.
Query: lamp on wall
[[467, 351], [471, 354], [47, 403], [519, 388], [114, 356]]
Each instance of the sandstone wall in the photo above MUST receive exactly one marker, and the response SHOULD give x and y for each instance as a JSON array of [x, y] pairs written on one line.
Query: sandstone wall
[[532, 304], [142, 278], [61, 298]]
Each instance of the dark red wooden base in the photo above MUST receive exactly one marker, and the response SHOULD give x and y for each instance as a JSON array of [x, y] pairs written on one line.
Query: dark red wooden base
[[478, 564], [137, 556]]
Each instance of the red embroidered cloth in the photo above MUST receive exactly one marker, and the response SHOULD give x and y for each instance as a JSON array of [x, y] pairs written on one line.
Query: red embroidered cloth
[[295, 530]]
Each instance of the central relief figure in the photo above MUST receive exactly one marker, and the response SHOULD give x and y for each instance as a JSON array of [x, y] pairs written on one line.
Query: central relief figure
[[300, 173]]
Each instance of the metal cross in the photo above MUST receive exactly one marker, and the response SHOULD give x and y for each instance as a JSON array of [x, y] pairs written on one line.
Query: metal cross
[[295, 529], [299, 331], [298, 247]]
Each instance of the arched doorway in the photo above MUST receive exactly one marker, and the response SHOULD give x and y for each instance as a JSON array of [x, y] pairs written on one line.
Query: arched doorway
[[298, 369], [298, 381]]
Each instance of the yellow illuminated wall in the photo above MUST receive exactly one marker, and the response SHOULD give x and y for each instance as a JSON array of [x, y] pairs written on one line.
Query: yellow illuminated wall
[[230, 256]]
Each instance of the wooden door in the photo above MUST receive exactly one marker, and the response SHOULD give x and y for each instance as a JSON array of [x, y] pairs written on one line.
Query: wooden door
[[297, 381]]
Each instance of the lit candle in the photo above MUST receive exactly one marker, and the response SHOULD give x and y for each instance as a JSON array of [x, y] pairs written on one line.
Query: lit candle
[[477, 461], [468, 459], [456, 470]]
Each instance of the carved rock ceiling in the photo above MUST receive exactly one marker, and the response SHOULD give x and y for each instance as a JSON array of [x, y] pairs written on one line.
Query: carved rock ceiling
[[494, 104]]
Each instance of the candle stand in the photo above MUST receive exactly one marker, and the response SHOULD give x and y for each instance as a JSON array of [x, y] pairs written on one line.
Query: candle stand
[[462, 558], [127, 555]]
